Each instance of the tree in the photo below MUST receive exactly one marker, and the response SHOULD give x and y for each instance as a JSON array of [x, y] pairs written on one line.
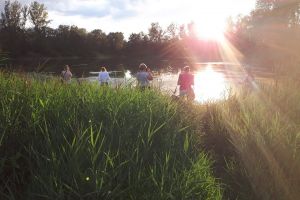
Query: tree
[[97, 40], [182, 32], [137, 44], [264, 5], [269, 36], [115, 41], [286, 12], [156, 33], [77, 40], [38, 16], [14, 16], [13, 21], [135, 38], [171, 32]]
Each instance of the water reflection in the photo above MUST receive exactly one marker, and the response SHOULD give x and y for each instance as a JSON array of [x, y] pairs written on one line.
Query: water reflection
[[210, 85], [128, 74]]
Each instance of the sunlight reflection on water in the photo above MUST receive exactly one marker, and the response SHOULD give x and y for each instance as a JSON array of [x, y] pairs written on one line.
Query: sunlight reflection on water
[[210, 85]]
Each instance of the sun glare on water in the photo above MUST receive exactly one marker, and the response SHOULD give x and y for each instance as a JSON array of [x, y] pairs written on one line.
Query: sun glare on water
[[210, 85]]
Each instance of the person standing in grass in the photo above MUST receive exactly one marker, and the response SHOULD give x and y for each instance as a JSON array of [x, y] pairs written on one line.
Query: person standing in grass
[[144, 76], [150, 77], [66, 74], [186, 83], [103, 76]]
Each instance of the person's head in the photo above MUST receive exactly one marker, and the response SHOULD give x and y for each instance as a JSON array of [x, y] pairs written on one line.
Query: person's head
[[186, 69], [143, 67], [103, 69], [66, 68]]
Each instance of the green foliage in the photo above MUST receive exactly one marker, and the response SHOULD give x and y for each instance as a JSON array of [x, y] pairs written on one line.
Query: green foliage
[[38, 16], [88, 142], [156, 33], [14, 16], [3, 57], [255, 138], [12, 26], [269, 35]]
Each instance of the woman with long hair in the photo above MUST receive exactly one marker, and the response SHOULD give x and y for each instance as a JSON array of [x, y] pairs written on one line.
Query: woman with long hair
[[103, 76]]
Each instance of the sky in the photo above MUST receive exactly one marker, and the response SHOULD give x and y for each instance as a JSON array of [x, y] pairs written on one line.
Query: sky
[[134, 16]]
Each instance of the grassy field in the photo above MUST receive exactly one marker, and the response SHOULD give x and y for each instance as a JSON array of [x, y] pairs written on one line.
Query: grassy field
[[88, 142]]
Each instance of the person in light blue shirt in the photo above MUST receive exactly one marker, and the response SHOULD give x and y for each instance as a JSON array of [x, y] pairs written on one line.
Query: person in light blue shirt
[[143, 77], [103, 76]]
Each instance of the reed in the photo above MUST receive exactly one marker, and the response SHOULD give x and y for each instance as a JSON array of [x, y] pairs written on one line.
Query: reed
[[83, 141], [254, 137]]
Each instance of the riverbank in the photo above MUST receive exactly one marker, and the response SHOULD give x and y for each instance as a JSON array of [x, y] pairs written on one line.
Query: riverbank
[[89, 142], [85, 141]]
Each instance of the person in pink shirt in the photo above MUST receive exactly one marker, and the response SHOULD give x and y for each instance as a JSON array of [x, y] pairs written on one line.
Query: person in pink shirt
[[186, 83], [66, 74]]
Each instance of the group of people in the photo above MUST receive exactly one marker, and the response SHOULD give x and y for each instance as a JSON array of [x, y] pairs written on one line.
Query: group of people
[[144, 76], [66, 75], [185, 81]]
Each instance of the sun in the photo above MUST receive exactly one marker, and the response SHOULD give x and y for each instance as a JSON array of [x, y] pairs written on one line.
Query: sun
[[210, 18], [210, 30]]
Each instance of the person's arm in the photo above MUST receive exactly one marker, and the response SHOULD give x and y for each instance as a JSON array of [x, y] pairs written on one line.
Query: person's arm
[[106, 77], [192, 81], [99, 77], [179, 80], [138, 78], [150, 77]]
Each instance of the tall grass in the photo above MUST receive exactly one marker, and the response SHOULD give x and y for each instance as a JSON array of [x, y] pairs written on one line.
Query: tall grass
[[255, 137], [90, 142]]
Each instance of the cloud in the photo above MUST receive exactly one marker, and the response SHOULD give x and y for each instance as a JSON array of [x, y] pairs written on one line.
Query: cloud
[[95, 8], [88, 8]]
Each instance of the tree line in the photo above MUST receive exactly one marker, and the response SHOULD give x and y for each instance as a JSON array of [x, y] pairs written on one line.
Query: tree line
[[40, 39], [268, 36]]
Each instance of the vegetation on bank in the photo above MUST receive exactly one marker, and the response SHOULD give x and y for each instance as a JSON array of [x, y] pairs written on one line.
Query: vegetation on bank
[[88, 142], [255, 141], [85, 141]]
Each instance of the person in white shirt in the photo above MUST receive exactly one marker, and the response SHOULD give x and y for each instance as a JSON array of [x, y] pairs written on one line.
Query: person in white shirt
[[103, 77], [66, 75]]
